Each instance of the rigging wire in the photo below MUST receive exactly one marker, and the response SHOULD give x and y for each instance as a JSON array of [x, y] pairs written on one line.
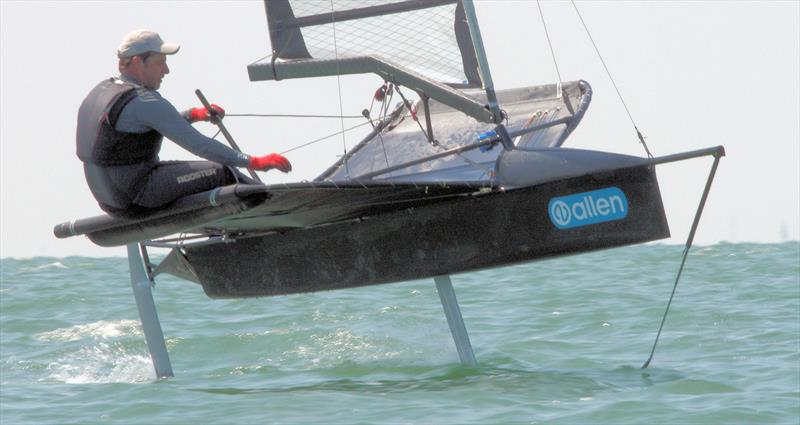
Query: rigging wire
[[307, 116], [638, 133], [547, 35], [698, 213], [292, 116], [339, 85], [259, 60], [315, 140], [326, 137], [382, 118]]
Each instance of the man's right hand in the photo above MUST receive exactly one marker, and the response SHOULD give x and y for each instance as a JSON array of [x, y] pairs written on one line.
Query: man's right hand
[[202, 114], [268, 162]]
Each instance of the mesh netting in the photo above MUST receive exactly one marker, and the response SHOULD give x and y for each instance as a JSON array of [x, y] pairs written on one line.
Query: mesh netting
[[421, 40]]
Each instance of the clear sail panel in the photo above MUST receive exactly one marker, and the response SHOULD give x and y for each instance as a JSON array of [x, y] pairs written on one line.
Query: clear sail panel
[[402, 141]]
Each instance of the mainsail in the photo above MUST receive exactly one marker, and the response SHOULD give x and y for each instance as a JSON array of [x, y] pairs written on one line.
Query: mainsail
[[421, 44], [431, 48], [428, 37]]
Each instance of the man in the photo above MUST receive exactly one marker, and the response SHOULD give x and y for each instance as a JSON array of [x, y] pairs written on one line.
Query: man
[[122, 122]]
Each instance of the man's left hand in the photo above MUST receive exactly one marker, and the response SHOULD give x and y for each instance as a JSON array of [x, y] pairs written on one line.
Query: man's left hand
[[202, 114]]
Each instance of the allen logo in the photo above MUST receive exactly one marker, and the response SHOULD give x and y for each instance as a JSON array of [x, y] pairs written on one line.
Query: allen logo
[[582, 209]]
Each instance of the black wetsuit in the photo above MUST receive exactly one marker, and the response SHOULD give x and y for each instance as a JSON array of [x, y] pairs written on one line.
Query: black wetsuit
[[120, 128]]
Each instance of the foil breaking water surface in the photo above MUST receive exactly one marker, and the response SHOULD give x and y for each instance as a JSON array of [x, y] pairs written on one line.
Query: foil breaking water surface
[[557, 341]]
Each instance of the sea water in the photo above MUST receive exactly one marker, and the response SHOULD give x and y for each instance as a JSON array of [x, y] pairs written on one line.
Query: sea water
[[557, 341]]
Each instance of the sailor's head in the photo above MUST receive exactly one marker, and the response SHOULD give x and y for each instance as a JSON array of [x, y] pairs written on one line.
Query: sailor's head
[[143, 57]]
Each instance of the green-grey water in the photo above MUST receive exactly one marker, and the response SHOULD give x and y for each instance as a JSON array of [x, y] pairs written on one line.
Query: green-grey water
[[557, 341]]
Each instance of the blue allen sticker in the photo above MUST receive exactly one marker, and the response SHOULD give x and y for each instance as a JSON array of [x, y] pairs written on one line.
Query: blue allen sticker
[[583, 209]]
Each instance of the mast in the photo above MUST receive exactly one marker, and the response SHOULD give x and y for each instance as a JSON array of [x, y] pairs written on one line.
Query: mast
[[483, 63]]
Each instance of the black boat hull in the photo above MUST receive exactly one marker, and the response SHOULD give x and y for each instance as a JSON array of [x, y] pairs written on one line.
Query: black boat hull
[[469, 233]]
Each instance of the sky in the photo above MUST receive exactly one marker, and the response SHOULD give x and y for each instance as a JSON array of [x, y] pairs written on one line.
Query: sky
[[693, 75]]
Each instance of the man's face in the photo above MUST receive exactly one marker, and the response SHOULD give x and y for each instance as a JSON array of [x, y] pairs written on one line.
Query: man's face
[[153, 70]]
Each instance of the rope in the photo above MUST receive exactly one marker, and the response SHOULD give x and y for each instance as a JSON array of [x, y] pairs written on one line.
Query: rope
[[547, 34], [624, 105]]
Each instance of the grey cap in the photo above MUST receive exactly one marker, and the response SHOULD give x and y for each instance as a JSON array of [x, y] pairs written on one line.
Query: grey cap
[[143, 41]]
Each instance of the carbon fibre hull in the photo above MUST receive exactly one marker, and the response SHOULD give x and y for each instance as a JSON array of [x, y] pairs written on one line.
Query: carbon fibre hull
[[474, 232]]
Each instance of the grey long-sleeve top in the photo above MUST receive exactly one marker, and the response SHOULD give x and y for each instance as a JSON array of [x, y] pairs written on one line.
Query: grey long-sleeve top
[[149, 111]]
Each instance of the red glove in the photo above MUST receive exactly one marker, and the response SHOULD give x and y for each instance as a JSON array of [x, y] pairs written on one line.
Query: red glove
[[201, 114], [268, 162]]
